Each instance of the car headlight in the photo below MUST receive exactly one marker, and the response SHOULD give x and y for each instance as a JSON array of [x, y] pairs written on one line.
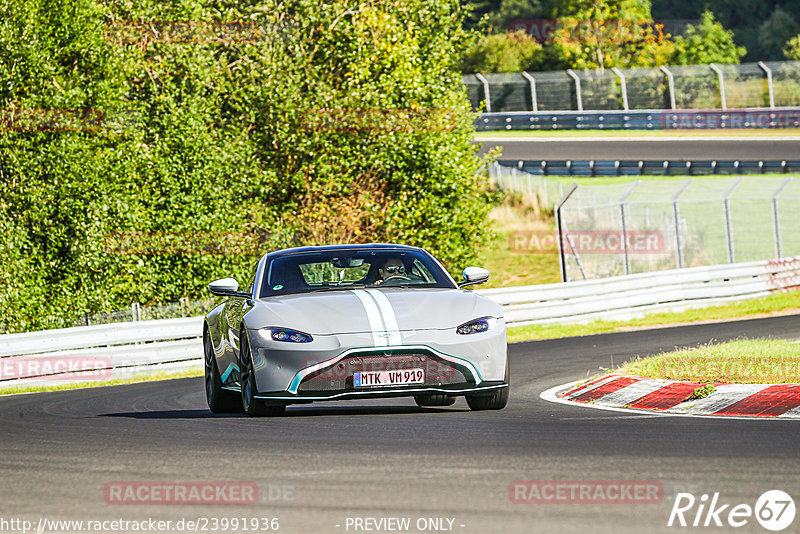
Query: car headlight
[[289, 336], [477, 325]]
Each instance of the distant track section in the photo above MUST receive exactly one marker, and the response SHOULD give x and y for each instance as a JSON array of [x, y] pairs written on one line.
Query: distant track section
[[643, 148]]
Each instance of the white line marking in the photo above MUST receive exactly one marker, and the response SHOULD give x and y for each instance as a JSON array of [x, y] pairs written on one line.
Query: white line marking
[[722, 397], [597, 384], [374, 318], [389, 317], [631, 393]]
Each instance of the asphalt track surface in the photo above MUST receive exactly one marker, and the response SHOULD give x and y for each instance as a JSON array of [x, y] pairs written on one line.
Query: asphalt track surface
[[391, 459], [653, 148]]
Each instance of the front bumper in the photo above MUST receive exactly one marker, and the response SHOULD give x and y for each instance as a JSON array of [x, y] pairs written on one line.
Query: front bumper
[[323, 369]]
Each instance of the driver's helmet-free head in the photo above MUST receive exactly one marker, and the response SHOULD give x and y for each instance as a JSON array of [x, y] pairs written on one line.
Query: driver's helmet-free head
[[393, 267]]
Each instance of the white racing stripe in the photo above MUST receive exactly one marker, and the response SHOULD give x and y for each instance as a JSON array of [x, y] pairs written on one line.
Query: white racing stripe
[[389, 317], [374, 318], [381, 316]]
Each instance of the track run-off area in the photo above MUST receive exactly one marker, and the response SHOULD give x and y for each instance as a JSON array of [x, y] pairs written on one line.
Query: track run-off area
[[322, 466]]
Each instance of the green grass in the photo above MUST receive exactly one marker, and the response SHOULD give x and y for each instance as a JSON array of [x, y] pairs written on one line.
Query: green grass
[[7, 390], [744, 361], [765, 132], [780, 302]]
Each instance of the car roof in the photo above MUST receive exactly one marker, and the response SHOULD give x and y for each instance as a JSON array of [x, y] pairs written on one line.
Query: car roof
[[330, 248]]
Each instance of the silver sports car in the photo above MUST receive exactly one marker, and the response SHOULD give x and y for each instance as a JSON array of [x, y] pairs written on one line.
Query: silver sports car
[[351, 322]]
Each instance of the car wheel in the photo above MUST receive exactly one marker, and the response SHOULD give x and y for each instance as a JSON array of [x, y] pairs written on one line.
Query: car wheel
[[434, 399], [219, 400], [252, 406], [495, 401]]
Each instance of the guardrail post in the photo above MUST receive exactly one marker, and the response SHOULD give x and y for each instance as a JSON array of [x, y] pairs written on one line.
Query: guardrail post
[[721, 78], [775, 218], [578, 94], [676, 215], [485, 82], [728, 226], [562, 262], [770, 86], [534, 98], [136, 311], [670, 87], [622, 200], [623, 86]]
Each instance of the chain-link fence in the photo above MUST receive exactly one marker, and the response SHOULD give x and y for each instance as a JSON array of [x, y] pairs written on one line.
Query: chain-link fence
[[644, 226], [749, 85]]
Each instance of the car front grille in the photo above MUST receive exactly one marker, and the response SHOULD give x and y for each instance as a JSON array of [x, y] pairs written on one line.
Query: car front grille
[[339, 376]]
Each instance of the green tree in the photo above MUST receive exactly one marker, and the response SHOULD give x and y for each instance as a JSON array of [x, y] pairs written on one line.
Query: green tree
[[775, 32], [708, 42], [607, 33], [503, 52], [342, 122], [792, 49]]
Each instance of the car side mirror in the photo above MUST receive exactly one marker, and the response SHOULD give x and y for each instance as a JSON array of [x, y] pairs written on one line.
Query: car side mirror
[[474, 275], [226, 287]]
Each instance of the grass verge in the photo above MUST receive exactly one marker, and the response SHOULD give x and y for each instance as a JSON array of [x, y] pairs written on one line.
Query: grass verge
[[744, 361], [99, 383], [783, 303]]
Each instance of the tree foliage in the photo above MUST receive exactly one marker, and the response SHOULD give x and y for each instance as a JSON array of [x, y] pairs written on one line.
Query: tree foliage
[[792, 49], [708, 42], [607, 33], [504, 52], [215, 131]]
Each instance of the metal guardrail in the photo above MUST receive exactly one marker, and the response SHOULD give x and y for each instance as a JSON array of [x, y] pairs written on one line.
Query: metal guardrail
[[126, 349], [624, 297], [652, 167], [654, 119], [101, 352]]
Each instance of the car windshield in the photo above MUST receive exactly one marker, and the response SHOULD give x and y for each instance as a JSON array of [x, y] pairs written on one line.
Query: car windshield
[[332, 270]]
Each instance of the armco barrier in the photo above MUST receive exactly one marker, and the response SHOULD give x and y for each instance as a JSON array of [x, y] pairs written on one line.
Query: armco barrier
[[124, 349], [624, 297], [655, 119], [108, 351], [651, 167]]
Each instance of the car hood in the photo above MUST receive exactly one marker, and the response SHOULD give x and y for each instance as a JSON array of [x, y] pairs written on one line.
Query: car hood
[[347, 311]]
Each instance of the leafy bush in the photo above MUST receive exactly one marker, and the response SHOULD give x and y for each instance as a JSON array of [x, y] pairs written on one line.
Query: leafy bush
[[503, 52], [207, 141], [708, 42]]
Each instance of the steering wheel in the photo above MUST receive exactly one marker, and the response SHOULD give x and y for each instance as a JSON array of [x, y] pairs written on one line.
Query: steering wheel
[[396, 277]]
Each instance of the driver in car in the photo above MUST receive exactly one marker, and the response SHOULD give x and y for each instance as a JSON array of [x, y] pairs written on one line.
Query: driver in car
[[393, 268]]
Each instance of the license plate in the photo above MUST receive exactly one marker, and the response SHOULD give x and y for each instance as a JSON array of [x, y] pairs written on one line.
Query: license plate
[[367, 379]]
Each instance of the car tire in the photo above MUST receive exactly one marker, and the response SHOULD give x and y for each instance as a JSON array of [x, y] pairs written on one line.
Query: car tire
[[495, 401], [252, 406], [219, 400], [424, 400]]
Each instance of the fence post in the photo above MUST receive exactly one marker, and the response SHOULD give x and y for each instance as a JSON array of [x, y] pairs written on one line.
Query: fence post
[[485, 82], [770, 86], [775, 219], [622, 200], [676, 215], [728, 226], [670, 87], [560, 229], [578, 95], [721, 78], [136, 311], [623, 86], [534, 98]]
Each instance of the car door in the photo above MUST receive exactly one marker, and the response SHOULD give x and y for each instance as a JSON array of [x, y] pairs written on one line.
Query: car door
[[232, 313]]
